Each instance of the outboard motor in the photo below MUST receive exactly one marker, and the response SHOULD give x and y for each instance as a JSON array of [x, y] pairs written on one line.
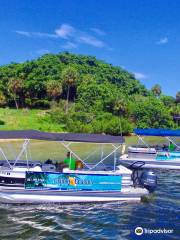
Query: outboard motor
[[148, 180]]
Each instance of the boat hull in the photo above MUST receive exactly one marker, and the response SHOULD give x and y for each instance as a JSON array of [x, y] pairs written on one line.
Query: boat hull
[[151, 163], [74, 186], [37, 197]]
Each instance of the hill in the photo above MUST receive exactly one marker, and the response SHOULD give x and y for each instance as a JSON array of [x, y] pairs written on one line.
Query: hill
[[83, 94]]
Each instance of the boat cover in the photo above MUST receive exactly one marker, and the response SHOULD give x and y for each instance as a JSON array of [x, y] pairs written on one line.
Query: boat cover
[[157, 132], [68, 137]]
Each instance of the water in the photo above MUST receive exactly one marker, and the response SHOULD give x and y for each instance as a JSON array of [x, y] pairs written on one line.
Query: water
[[97, 221]]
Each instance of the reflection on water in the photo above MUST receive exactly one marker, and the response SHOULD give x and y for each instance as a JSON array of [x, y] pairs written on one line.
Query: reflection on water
[[93, 221]]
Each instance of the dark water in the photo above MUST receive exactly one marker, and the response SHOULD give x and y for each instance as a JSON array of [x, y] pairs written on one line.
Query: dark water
[[97, 221]]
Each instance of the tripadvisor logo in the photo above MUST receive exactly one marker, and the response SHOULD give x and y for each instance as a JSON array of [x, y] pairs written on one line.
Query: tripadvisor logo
[[138, 231]]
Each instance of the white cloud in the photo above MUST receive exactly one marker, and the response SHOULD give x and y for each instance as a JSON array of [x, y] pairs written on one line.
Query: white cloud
[[139, 75], [90, 40], [98, 31], [65, 31], [27, 34], [69, 45], [73, 35], [163, 40], [43, 51], [36, 34], [40, 34]]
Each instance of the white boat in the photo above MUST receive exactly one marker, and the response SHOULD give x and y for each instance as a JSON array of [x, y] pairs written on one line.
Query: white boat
[[150, 157], [47, 183]]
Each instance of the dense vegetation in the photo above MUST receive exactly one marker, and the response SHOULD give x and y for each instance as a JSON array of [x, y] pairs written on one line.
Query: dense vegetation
[[83, 94]]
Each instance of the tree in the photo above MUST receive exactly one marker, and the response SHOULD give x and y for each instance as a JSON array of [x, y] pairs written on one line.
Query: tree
[[54, 89], [167, 100], [120, 107], [2, 99], [156, 90], [151, 113], [69, 77], [15, 87], [178, 97], [102, 97]]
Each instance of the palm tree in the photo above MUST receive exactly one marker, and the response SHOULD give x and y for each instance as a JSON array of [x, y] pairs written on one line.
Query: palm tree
[[69, 77], [15, 87], [178, 97], [120, 107], [156, 90], [54, 89]]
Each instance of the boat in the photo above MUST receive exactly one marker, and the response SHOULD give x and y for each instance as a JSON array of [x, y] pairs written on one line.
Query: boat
[[24, 181], [158, 157]]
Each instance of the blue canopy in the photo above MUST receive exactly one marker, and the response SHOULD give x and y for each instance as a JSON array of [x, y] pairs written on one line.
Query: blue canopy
[[157, 132]]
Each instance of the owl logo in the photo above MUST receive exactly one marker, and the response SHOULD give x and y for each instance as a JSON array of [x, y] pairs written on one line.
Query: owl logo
[[139, 231], [72, 181]]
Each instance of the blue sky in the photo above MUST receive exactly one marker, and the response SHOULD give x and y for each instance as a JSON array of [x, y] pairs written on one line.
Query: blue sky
[[141, 36]]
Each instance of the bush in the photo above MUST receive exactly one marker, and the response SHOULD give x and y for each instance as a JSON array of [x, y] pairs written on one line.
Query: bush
[[91, 122], [2, 122], [41, 104], [113, 126], [28, 102]]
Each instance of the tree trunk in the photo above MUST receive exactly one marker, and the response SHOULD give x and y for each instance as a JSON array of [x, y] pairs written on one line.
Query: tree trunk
[[67, 100], [17, 107]]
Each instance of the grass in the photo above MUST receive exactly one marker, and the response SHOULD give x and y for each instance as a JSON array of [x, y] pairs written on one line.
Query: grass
[[42, 150], [39, 120], [27, 119]]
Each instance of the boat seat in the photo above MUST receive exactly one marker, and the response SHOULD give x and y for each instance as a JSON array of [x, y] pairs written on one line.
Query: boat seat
[[79, 164], [48, 168], [61, 166]]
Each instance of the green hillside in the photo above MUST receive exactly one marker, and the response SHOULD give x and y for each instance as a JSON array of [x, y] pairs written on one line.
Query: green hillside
[[83, 94], [36, 119]]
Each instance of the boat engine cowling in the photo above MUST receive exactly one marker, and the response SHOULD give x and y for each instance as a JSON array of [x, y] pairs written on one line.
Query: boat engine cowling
[[148, 180]]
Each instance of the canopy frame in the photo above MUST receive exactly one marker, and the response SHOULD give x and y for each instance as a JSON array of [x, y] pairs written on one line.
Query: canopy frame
[[24, 150], [170, 139], [4, 155], [140, 139], [17, 158], [103, 158]]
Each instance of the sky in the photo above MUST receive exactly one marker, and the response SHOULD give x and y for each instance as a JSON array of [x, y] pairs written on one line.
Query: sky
[[141, 36]]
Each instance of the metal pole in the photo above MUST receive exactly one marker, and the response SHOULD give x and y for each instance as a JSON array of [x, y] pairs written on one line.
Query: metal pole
[[2, 152], [26, 142], [102, 152], [115, 160], [67, 147], [143, 141], [116, 148], [70, 159], [172, 140], [27, 159]]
